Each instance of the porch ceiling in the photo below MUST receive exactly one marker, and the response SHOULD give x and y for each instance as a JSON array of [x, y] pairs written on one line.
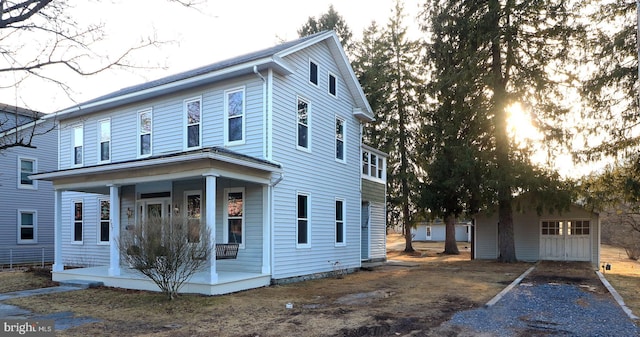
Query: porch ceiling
[[215, 161]]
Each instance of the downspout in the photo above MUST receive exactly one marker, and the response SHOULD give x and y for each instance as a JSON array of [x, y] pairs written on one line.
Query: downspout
[[264, 112]]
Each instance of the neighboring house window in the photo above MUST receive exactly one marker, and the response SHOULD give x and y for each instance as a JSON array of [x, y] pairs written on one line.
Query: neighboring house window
[[194, 205], [234, 115], [26, 167], [340, 139], [234, 216], [193, 111], [303, 124], [77, 222], [340, 228], [313, 72], [27, 225], [303, 232], [104, 221], [78, 141], [144, 132], [552, 227], [104, 127], [333, 85]]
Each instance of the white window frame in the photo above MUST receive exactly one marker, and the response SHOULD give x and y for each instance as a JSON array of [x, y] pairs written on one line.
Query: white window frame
[[139, 133], [344, 223], [308, 125], [34, 183], [73, 222], [34, 213], [317, 73], [100, 141], [227, 118], [380, 166], [225, 215], [187, 124], [77, 140], [329, 76], [308, 219], [187, 216], [344, 140], [99, 228]]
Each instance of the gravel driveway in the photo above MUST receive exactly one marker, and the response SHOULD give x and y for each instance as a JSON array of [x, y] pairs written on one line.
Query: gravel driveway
[[565, 304]]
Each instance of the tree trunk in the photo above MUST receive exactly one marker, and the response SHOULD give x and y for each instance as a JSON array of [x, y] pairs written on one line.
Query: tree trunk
[[450, 243]]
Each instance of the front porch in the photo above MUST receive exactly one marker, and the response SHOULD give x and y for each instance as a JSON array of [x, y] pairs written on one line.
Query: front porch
[[228, 282]]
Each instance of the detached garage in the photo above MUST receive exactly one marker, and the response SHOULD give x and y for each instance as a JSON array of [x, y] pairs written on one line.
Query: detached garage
[[573, 235]]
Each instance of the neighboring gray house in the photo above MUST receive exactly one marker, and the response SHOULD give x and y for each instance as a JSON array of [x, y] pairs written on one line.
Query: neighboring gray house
[[26, 205], [374, 204], [572, 235], [265, 148], [435, 231]]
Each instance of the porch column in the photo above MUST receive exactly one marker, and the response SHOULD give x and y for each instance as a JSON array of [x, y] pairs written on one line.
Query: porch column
[[266, 228], [210, 219], [58, 265], [114, 230]]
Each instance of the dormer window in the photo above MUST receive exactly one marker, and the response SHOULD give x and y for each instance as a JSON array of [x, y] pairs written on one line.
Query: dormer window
[[313, 73]]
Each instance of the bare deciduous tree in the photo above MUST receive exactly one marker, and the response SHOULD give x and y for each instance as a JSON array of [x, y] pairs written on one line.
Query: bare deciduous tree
[[167, 251]]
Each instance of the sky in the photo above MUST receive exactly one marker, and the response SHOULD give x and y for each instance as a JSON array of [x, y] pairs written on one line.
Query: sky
[[215, 31]]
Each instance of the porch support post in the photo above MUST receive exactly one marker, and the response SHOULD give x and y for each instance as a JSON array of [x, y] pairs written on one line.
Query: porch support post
[[58, 265], [210, 218], [114, 230], [266, 228]]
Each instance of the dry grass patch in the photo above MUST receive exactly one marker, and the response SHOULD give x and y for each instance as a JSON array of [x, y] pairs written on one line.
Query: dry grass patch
[[15, 280], [624, 275], [394, 299]]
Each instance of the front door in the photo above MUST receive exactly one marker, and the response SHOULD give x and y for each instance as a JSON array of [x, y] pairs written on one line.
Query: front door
[[565, 240]]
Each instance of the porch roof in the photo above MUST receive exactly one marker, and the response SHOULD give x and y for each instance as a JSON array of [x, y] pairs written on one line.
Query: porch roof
[[217, 161]]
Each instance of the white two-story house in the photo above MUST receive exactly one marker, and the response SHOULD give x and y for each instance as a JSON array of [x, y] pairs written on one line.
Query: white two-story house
[[264, 148]]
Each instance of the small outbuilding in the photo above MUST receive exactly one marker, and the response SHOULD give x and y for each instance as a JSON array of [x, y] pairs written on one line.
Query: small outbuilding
[[572, 235], [436, 231]]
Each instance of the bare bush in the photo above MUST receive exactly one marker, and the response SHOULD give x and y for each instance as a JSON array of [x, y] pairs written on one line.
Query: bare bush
[[167, 251], [621, 228]]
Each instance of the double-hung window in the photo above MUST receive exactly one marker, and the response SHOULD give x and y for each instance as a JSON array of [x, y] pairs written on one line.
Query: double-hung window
[[340, 228], [145, 128], [234, 216], [304, 135], [78, 218], [26, 167], [302, 229], [193, 114], [104, 141], [78, 141], [340, 146], [194, 205], [27, 225], [234, 111], [104, 222]]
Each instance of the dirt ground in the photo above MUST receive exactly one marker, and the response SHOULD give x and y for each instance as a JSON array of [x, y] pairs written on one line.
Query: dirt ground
[[409, 296]]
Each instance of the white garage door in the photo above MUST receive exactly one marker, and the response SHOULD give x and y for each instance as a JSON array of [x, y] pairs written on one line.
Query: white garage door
[[565, 240]]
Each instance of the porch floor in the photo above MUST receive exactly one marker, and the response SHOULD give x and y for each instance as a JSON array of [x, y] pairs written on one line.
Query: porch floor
[[228, 281]]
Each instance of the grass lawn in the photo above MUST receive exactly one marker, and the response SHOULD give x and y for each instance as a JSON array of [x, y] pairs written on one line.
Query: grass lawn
[[624, 275]]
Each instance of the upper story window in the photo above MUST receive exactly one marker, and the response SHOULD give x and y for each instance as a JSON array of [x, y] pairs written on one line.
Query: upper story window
[[340, 145], [27, 226], [78, 141], [303, 124], [373, 166], [313, 72], [105, 221], [26, 167], [234, 111], [193, 114], [145, 122], [104, 141], [333, 85]]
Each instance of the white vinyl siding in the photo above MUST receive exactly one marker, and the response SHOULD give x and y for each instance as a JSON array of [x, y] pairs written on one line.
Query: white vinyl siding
[[234, 116], [104, 141], [78, 145], [27, 226], [27, 167], [193, 123], [145, 133]]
